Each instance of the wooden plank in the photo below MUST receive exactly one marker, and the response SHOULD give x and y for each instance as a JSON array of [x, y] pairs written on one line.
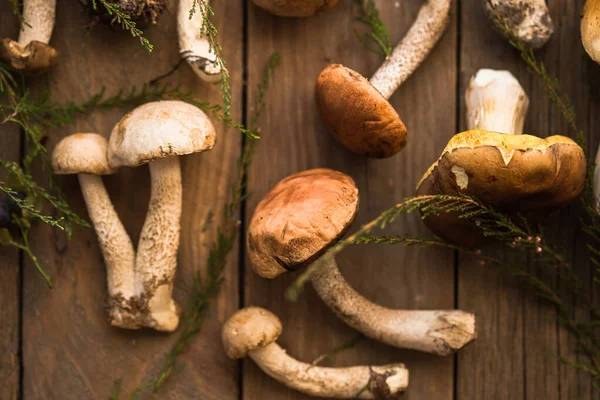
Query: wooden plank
[[10, 279], [69, 350], [294, 139]]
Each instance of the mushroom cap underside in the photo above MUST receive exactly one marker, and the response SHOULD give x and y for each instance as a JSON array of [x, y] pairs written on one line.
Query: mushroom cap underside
[[358, 115], [81, 153], [158, 130], [295, 8], [299, 219], [35, 57], [248, 329]]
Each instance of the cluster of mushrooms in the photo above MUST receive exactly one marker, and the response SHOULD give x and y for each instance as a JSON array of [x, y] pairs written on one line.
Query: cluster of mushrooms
[[306, 213]]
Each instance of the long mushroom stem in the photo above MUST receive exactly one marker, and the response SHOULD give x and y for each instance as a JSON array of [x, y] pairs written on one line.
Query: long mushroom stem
[[117, 250], [425, 32], [156, 260], [438, 332], [193, 47], [39, 16], [359, 382]]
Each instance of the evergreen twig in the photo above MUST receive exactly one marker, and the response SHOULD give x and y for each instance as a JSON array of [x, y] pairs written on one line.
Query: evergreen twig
[[124, 19], [378, 39]]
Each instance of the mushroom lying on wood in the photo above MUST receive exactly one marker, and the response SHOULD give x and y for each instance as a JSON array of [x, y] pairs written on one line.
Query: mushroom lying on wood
[[298, 220], [84, 154], [518, 174], [357, 111], [529, 20], [295, 8], [31, 53], [252, 332], [590, 29], [194, 47], [157, 133]]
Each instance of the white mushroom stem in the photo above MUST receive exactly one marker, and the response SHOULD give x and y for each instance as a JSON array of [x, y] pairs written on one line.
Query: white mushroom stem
[[194, 47], [496, 102], [156, 260], [38, 16], [362, 382], [114, 241], [529, 20], [437, 332], [416, 45]]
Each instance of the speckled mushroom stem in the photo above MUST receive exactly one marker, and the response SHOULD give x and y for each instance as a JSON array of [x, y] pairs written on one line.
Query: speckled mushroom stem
[[418, 42], [496, 102], [116, 247], [194, 47], [39, 18], [156, 260], [360, 382], [438, 332]]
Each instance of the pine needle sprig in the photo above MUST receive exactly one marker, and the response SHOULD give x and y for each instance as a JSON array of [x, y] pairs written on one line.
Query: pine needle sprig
[[124, 19], [378, 39], [205, 289], [330, 355]]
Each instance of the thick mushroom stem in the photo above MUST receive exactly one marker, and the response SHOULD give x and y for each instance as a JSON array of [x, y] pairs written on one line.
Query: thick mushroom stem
[[39, 18], [116, 247], [529, 20], [156, 260], [425, 32], [194, 48], [438, 332], [360, 382], [496, 102]]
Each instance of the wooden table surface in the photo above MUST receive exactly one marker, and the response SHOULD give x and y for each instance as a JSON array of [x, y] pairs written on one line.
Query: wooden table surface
[[56, 343]]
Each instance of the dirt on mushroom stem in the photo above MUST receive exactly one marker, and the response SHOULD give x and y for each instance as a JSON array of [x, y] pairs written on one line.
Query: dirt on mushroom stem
[[142, 12]]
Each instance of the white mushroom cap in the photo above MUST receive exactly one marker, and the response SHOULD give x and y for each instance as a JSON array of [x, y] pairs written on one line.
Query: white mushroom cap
[[81, 153], [249, 329], [158, 130]]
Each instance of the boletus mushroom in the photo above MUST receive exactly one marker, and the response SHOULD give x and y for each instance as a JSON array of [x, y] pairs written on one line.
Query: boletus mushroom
[[32, 54], [84, 154], [514, 173], [295, 8], [529, 20], [252, 332], [298, 220], [590, 29], [193, 47], [158, 133], [357, 110]]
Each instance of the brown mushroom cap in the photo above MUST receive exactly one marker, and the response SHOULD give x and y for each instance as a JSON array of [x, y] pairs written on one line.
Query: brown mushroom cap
[[34, 58], [295, 8], [359, 116], [81, 153], [299, 219], [518, 174], [248, 329]]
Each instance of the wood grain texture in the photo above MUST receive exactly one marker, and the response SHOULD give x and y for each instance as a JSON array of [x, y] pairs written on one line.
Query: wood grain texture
[[10, 279], [294, 139], [69, 350]]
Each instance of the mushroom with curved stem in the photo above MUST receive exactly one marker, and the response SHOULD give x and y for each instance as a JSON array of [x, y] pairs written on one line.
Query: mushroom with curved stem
[[31, 53], [519, 174], [356, 110], [193, 47], [84, 154], [157, 133], [252, 332], [295, 8], [590, 30], [529, 20], [298, 220]]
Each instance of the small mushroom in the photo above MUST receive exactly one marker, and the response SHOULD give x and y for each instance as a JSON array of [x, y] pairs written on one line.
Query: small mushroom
[[252, 332], [529, 20], [31, 53], [590, 29], [357, 110], [84, 154], [496, 102], [193, 47], [157, 133], [295, 8], [298, 220]]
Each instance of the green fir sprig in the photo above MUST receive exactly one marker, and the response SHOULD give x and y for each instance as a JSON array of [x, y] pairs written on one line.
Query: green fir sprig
[[124, 19], [377, 39]]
